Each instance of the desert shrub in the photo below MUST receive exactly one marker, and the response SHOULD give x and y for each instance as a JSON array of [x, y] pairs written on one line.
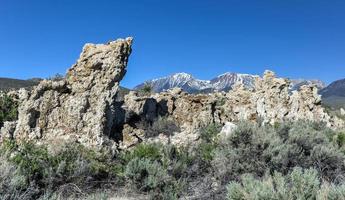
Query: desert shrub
[[40, 173], [307, 145], [150, 151], [242, 152], [340, 139], [254, 149], [13, 182], [146, 174], [209, 142], [147, 89], [160, 170], [162, 125], [56, 77], [299, 184], [8, 109], [204, 150], [209, 132]]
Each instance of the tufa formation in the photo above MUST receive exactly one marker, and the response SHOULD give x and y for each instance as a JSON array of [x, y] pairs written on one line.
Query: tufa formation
[[83, 107], [80, 108]]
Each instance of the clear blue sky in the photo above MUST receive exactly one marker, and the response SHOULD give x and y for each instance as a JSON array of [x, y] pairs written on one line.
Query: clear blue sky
[[295, 38]]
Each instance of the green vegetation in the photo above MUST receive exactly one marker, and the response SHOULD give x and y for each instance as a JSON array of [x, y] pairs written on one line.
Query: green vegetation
[[160, 170], [299, 184], [256, 150], [300, 160], [147, 89], [208, 144], [8, 109], [30, 171]]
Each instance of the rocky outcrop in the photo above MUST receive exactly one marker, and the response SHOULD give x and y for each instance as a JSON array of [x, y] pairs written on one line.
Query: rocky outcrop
[[84, 108], [269, 102], [79, 108]]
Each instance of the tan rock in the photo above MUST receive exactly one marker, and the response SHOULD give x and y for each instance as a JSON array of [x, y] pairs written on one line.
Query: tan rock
[[270, 101], [82, 106]]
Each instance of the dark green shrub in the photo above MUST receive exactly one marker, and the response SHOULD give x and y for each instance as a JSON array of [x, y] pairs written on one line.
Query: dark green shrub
[[254, 149], [209, 132], [150, 151], [242, 152], [8, 109], [160, 170], [42, 173], [340, 139], [147, 89]]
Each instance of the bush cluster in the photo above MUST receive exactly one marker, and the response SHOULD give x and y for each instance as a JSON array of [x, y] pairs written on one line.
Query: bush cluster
[[254, 149], [300, 160], [146, 90], [157, 169], [31, 172], [8, 109], [299, 184]]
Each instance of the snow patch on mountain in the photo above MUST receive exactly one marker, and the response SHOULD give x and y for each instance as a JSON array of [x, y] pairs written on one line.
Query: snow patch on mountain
[[223, 82]]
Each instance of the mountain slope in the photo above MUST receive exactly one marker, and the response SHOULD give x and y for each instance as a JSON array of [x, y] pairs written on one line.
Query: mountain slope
[[222, 82], [336, 88], [182, 80], [334, 94], [297, 83], [9, 83]]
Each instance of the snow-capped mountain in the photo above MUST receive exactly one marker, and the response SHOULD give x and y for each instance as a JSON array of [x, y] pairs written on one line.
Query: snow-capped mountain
[[297, 83], [225, 81], [182, 80], [222, 82]]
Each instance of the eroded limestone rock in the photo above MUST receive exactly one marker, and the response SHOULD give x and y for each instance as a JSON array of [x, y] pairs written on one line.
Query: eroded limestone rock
[[342, 112], [227, 130], [81, 107], [269, 102]]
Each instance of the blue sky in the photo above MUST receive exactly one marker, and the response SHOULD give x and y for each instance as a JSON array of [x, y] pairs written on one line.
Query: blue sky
[[295, 38]]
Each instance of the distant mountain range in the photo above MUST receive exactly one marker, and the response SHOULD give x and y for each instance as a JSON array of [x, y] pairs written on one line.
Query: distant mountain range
[[7, 84], [334, 94], [10, 83], [337, 88], [222, 82]]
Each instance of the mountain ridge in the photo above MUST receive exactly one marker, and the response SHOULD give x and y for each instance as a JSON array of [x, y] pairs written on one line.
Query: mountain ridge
[[336, 88], [222, 82], [12, 83]]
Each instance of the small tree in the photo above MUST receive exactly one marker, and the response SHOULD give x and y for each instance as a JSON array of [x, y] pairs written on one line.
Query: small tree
[[146, 89], [56, 77]]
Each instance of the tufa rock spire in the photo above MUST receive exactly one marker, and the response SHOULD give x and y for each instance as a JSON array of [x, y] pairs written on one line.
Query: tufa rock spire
[[79, 108]]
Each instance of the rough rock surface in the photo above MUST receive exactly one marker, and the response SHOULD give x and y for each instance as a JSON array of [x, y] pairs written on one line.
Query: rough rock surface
[[83, 107], [270, 101], [79, 108], [342, 111], [227, 130]]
